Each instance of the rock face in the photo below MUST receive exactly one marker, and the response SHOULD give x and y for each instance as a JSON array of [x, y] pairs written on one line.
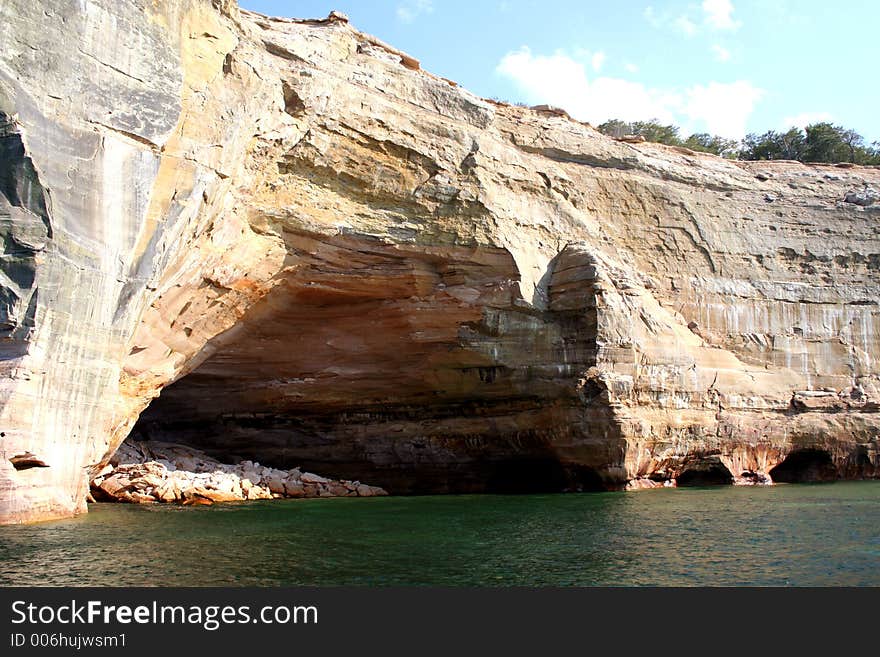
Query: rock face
[[344, 262]]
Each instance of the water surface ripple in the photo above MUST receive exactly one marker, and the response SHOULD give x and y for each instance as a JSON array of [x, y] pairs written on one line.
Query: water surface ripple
[[783, 535]]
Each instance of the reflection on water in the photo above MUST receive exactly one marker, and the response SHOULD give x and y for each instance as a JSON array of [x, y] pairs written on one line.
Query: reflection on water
[[784, 535]]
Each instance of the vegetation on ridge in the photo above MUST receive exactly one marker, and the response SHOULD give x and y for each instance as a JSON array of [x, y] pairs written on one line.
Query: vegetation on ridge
[[818, 142]]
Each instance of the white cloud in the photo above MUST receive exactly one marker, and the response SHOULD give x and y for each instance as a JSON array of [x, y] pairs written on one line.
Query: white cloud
[[631, 68], [560, 80], [409, 11], [804, 119], [723, 108], [720, 53], [718, 15], [596, 60], [651, 16], [685, 25], [714, 15]]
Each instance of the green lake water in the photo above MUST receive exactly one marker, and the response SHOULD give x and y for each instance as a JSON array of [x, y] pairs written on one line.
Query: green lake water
[[800, 535]]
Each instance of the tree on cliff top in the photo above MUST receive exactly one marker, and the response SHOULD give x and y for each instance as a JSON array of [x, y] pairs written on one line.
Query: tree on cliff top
[[651, 130], [703, 141], [656, 131], [818, 142]]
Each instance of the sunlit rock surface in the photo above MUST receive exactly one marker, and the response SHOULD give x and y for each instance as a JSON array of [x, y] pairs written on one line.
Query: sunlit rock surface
[[344, 263], [155, 472]]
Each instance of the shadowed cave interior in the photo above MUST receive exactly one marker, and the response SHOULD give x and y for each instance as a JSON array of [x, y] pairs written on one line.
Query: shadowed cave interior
[[385, 376], [805, 465], [709, 471]]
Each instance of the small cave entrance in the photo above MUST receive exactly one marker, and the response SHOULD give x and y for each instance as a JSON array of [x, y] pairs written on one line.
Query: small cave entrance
[[705, 472], [803, 466]]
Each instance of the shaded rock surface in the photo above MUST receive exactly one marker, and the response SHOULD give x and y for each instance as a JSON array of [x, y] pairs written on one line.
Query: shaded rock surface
[[149, 472], [323, 256]]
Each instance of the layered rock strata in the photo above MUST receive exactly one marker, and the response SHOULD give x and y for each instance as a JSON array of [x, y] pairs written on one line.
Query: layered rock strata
[[151, 472], [343, 262]]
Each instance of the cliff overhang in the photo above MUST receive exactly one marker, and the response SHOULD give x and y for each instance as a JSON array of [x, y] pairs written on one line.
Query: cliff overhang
[[323, 256]]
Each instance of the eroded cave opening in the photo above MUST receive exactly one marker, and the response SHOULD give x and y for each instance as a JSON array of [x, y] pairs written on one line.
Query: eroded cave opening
[[705, 472], [420, 371], [804, 466]]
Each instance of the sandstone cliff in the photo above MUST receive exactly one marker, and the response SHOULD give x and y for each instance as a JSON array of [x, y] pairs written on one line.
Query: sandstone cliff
[[345, 263]]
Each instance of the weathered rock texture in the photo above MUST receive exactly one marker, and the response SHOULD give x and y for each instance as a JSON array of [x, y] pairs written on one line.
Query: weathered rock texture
[[349, 264], [152, 472]]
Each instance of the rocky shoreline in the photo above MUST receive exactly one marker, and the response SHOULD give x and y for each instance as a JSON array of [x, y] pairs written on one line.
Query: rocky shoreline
[[148, 472], [151, 472]]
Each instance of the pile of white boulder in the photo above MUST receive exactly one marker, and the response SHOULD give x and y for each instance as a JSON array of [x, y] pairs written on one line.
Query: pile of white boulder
[[151, 471]]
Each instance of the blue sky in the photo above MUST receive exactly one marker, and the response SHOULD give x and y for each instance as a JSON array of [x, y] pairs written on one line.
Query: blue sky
[[722, 66]]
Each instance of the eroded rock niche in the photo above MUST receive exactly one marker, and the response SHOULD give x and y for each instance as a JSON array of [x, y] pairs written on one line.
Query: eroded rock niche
[[805, 466], [420, 370]]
